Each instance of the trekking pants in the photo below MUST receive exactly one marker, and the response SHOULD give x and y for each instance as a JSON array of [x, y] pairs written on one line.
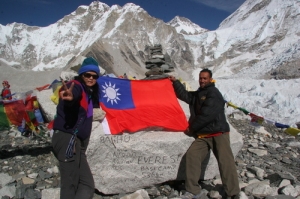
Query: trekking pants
[[220, 145], [76, 178]]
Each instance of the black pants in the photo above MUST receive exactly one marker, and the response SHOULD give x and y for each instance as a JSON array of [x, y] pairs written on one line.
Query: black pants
[[220, 145], [76, 178]]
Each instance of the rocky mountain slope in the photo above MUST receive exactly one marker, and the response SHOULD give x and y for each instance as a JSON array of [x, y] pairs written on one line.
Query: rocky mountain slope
[[257, 40], [115, 36]]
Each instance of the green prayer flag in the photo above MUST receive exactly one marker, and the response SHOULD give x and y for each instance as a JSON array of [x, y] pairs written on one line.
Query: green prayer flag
[[4, 122], [244, 110]]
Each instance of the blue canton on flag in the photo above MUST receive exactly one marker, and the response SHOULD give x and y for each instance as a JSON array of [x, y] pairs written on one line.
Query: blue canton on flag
[[115, 93]]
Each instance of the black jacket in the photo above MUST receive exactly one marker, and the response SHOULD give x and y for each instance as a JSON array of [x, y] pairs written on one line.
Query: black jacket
[[206, 108], [76, 115]]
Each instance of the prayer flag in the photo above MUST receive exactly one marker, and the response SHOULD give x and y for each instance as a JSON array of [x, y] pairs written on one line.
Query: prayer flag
[[292, 131], [43, 87], [256, 119], [4, 122], [133, 105], [244, 110], [15, 111], [232, 105], [269, 121], [282, 126]]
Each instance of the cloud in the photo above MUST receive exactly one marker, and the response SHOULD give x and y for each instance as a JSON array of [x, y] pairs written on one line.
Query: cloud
[[226, 5]]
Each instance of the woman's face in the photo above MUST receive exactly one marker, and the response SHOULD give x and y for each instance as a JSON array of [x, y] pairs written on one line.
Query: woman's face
[[90, 78]]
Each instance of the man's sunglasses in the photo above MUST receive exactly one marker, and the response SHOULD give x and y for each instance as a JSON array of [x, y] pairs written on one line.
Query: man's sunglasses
[[88, 75]]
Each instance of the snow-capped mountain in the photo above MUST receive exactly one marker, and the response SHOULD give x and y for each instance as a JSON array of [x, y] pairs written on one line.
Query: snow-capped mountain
[[185, 26], [115, 36], [260, 41], [261, 38]]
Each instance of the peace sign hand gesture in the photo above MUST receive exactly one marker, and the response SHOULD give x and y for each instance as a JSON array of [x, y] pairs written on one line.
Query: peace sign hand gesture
[[66, 93]]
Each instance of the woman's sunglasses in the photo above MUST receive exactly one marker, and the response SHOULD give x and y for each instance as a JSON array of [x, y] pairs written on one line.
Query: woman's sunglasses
[[88, 75]]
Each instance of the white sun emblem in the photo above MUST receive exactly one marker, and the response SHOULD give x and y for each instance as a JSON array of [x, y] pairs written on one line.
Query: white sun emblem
[[111, 93]]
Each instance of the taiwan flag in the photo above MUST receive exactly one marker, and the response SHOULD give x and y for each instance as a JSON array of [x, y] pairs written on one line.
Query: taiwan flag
[[134, 105]]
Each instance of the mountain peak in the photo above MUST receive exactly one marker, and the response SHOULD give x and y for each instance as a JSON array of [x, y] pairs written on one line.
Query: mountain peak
[[186, 26]]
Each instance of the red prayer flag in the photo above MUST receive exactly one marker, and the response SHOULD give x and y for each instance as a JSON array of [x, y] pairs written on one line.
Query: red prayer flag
[[43, 87], [256, 119], [15, 111], [133, 105]]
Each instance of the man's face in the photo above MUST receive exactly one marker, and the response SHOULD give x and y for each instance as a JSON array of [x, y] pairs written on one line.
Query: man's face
[[204, 79]]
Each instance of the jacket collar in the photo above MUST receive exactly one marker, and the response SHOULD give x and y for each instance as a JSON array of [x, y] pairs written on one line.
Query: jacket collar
[[212, 84]]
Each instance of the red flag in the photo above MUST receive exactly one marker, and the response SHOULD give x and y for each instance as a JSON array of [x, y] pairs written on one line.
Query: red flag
[[133, 105], [256, 119], [43, 87], [15, 111]]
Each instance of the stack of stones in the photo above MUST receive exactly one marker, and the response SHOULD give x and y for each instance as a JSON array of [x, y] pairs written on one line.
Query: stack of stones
[[158, 63], [298, 125]]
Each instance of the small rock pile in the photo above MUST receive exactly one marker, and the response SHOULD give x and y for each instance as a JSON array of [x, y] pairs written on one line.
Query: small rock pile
[[268, 167], [158, 63]]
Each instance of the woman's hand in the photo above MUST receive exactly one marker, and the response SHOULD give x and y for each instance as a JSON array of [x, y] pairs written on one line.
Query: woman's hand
[[66, 93]]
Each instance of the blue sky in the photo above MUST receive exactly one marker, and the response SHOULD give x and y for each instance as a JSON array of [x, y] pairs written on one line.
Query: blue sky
[[206, 13]]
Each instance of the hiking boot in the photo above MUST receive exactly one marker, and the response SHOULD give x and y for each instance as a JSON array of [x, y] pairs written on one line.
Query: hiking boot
[[188, 195], [233, 197]]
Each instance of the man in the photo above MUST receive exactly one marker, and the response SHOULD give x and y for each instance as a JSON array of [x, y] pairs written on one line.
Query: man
[[208, 125]]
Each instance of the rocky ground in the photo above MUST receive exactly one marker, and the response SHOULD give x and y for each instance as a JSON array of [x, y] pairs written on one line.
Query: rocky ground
[[268, 166]]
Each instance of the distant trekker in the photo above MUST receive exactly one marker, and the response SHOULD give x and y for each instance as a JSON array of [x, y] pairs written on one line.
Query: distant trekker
[[6, 94]]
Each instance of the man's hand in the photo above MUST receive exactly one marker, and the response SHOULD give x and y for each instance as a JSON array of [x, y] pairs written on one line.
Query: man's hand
[[66, 93], [172, 78], [188, 132]]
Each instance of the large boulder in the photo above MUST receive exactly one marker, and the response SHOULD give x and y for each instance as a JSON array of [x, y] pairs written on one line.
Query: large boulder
[[128, 162]]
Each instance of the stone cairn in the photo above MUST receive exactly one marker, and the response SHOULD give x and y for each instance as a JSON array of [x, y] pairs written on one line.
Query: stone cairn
[[158, 63]]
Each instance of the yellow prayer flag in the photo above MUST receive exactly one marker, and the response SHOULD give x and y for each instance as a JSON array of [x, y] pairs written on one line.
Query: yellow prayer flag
[[31, 125], [292, 131], [35, 104], [55, 96], [232, 105]]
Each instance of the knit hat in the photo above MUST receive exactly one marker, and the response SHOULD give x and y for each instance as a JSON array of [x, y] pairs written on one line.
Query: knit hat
[[6, 84], [89, 64]]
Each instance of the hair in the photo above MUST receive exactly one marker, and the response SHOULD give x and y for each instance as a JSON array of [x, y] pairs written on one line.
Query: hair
[[207, 71], [6, 84]]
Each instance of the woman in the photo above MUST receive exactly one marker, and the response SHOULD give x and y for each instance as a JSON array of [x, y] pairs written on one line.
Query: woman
[[6, 94], [72, 129]]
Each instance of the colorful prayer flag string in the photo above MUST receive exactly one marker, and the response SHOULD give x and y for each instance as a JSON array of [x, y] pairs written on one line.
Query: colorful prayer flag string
[[260, 119]]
